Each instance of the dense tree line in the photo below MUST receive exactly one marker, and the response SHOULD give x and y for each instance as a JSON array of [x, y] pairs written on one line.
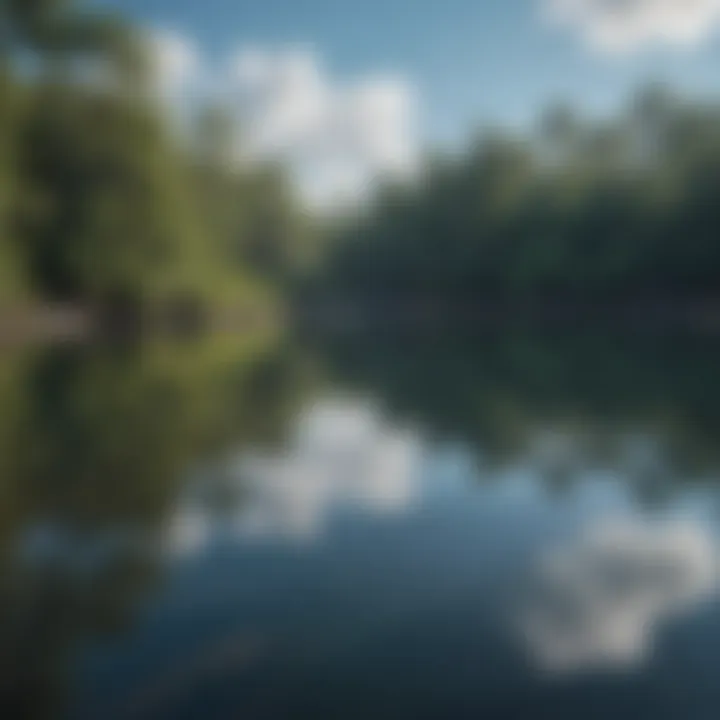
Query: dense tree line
[[102, 201], [614, 209], [104, 204]]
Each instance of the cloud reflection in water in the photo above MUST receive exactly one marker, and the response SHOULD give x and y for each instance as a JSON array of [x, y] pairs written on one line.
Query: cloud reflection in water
[[342, 455], [602, 600]]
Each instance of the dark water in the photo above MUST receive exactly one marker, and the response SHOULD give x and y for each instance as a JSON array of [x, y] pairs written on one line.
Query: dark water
[[495, 527]]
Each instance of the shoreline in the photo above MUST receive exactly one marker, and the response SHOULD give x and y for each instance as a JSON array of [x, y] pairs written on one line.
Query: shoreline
[[632, 315], [30, 324], [71, 323], [44, 323]]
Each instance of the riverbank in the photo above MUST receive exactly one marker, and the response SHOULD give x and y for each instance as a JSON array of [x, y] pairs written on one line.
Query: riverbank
[[69, 323], [34, 323], [637, 315], [72, 323]]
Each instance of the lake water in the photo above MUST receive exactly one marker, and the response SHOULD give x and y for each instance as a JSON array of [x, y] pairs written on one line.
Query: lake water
[[486, 527]]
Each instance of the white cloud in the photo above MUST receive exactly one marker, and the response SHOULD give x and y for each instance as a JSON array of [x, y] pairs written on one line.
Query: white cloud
[[622, 26], [336, 137], [602, 600]]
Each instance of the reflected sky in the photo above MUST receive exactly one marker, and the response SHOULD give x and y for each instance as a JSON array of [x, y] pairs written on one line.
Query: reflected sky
[[601, 572], [350, 560], [342, 455], [602, 598]]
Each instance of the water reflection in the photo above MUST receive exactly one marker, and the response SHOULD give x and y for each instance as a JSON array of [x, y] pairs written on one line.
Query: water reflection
[[95, 443], [604, 597], [417, 530], [342, 454], [648, 407]]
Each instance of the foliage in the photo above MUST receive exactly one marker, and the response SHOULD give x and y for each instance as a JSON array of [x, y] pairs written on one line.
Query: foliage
[[621, 210], [104, 203]]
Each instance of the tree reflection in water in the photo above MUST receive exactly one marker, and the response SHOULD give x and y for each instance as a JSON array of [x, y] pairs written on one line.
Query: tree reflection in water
[[111, 456], [96, 444]]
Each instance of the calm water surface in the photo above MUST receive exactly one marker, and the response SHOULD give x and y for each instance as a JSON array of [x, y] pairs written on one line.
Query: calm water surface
[[505, 527]]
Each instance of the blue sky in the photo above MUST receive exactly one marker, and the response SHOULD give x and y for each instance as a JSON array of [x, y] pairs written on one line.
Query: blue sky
[[343, 91], [471, 60]]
